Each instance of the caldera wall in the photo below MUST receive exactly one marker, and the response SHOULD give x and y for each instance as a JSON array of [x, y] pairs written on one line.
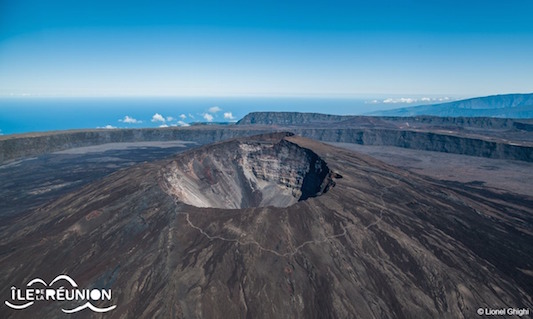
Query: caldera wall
[[330, 128]]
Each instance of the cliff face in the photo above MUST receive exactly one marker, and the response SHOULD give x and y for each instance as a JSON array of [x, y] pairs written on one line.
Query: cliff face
[[19, 146], [289, 118], [486, 137], [296, 118], [382, 243], [426, 141]]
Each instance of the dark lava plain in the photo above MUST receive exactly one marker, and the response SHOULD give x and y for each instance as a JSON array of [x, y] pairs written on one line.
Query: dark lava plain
[[383, 242], [31, 182]]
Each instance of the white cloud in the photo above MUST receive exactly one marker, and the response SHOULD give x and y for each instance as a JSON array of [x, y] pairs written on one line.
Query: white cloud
[[407, 100], [158, 118], [208, 117], [1, 132], [214, 109], [163, 125], [107, 127], [183, 116], [439, 99], [181, 123], [170, 118], [191, 116], [229, 116], [130, 120]]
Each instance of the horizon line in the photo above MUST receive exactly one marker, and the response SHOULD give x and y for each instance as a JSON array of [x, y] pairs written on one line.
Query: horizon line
[[296, 95]]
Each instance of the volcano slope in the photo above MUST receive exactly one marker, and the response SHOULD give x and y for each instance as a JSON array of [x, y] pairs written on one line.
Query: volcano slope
[[276, 226]]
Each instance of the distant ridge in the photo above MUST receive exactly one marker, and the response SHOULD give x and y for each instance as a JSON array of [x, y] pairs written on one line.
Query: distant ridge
[[290, 118], [507, 105]]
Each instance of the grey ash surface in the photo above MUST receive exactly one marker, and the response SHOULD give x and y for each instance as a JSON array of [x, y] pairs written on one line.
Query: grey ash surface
[[505, 176], [29, 183]]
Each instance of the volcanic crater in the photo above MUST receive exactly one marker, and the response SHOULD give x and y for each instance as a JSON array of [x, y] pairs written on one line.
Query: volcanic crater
[[260, 172]]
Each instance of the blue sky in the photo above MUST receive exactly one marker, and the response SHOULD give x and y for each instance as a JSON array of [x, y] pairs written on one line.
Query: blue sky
[[265, 48]]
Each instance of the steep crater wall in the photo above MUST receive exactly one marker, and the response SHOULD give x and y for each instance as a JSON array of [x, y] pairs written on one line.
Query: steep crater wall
[[243, 174]]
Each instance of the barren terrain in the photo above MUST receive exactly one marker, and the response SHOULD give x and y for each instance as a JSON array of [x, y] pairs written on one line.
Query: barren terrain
[[380, 242]]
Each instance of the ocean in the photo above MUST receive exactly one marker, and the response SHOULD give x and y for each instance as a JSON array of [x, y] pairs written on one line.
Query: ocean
[[23, 115]]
